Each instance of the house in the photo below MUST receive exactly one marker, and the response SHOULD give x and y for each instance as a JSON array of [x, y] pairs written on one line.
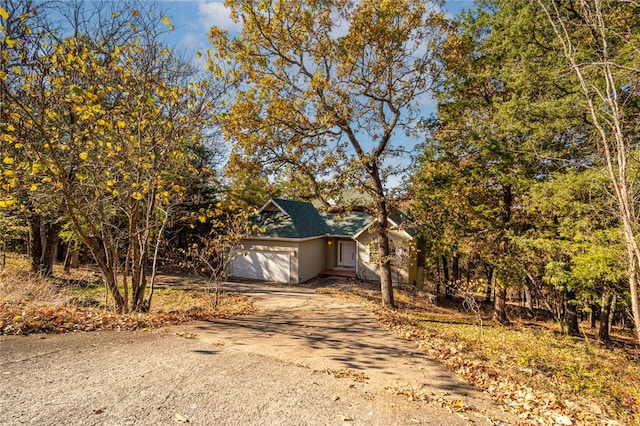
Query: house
[[296, 243]]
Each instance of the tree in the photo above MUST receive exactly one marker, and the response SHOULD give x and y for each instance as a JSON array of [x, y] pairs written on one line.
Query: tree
[[484, 139], [325, 87], [212, 254], [577, 240], [109, 127], [600, 41], [43, 217]]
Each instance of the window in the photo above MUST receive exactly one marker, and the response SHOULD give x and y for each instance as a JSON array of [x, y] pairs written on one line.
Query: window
[[372, 254]]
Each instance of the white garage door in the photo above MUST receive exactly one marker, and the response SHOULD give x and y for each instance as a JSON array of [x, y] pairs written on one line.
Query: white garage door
[[263, 265]]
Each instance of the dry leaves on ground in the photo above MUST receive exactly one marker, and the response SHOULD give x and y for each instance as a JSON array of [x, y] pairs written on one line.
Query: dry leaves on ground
[[25, 318]]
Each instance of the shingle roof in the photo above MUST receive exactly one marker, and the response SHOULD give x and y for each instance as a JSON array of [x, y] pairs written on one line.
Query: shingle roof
[[349, 224], [403, 222], [281, 218], [293, 219]]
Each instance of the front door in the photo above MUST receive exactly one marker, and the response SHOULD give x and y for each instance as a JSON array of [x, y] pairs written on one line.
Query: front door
[[347, 253]]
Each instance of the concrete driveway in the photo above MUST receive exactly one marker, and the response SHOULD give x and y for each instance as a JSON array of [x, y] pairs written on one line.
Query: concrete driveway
[[303, 358], [296, 325]]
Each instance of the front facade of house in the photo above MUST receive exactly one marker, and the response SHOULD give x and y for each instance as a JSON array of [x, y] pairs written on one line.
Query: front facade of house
[[296, 244]]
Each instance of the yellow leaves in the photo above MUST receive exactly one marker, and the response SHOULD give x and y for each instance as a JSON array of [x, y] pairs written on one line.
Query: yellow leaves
[[165, 21], [8, 160], [3, 13], [120, 124], [33, 187], [137, 196], [37, 168], [83, 156], [6, 137], [10, 42], [7, 203]]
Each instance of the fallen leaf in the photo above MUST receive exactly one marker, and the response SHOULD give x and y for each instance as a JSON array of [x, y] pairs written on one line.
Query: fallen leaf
[[179, 418]]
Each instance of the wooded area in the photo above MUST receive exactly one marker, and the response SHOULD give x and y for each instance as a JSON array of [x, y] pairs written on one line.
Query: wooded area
[[522, 186]]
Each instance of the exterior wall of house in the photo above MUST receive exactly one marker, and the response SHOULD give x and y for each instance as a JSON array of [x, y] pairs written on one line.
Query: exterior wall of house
[[404, 266], [312, 258], [331, 252], [275, 246]]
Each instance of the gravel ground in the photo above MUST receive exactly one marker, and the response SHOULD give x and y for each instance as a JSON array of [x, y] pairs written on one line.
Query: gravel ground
[[301, 360]]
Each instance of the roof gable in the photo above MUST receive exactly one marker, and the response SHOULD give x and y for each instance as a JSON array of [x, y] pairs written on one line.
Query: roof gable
[[291, 219]]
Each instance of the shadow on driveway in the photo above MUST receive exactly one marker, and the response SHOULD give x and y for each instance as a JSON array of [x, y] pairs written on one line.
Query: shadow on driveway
[[296, 325]]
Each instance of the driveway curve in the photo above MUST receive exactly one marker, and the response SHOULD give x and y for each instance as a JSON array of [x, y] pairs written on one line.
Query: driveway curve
[[302, 358]]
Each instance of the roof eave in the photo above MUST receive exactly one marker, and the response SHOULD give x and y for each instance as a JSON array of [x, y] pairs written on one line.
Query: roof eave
[[287, 239]]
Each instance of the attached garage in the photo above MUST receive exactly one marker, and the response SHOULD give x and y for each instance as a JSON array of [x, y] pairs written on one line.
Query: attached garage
[[263, 265]]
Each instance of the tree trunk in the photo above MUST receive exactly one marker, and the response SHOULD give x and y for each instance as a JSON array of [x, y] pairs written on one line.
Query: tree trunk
[[605, 317], [99, 251], [382, 216], [489, 271], [528, 302], [455, 271], [438, 277], [500, 305], [633, 289], [447, 279], [386, 284], [612, 310], [136, 259], [35, 242], [52, 231], [500, 301], [43, 243], [593, 318], [71, 258], [571, 314], [468, 274]]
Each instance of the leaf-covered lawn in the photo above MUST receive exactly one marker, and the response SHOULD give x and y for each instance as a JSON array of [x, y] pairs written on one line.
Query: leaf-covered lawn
[[25, 318], [531, 369], [29, 304]]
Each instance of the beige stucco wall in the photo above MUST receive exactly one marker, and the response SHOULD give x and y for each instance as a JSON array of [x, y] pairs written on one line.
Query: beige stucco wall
[[311, 258], [403, 273]]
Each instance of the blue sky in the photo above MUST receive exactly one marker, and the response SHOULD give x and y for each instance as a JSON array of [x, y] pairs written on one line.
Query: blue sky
[[193, 18]]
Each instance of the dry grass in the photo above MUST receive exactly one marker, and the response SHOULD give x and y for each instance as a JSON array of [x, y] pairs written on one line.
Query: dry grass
[[78, 302], [18, 286], [530, 367]]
